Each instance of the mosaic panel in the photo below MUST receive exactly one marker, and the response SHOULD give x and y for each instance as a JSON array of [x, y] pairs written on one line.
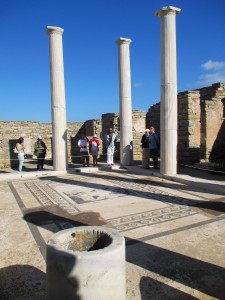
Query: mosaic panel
[[47, 196], [151, 217]]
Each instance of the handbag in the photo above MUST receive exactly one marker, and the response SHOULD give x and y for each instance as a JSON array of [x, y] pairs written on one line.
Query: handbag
[[15, 150]]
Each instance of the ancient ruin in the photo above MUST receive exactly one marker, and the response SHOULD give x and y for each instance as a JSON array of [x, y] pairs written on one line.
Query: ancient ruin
[[201, 130]]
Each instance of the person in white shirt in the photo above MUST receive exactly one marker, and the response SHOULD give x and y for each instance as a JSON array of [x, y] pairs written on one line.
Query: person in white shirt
[[110, 144], [20, 150], [83, 145]]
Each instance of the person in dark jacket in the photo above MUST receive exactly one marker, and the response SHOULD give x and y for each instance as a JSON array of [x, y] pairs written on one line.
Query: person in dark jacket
[[145, 149], [40, 151]]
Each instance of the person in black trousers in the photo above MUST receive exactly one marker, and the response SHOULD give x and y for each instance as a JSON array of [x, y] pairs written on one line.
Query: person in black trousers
[[40, 151]]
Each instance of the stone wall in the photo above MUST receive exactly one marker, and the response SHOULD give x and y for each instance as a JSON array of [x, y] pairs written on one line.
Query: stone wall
[[139, 120], [212, 124], [201, 129], [153, 117], [11, 131], [189, 126]]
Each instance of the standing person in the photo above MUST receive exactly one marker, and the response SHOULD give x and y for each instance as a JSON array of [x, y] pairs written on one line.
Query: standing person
[[40, 151], [83, 145], [110, 139], [145, 149], [20, 148], [94, 148], [154, 146]]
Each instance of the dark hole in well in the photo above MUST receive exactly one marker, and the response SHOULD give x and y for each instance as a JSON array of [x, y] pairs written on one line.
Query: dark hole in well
[[89, 241]]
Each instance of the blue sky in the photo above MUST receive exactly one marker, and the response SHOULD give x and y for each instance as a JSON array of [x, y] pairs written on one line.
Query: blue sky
[[91, 54]]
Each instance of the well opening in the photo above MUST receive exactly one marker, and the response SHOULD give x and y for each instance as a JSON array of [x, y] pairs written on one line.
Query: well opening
[[87, 240]]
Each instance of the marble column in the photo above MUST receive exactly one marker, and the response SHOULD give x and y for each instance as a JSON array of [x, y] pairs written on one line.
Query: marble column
[[168, 90], [59, 131], [126, 134]]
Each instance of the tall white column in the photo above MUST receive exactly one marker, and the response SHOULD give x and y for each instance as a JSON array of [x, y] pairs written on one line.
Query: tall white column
[[59, 131], [126, 134], [168, 90]]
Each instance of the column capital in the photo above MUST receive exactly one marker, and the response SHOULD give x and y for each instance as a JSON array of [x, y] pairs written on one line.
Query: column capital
[[53, 29], [123, 41], [165, 10]]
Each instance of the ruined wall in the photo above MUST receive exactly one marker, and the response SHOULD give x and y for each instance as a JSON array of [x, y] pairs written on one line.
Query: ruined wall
[[201, 129], [189, 126], [139, 120], [11, 131], [212, 124], [153, 117]]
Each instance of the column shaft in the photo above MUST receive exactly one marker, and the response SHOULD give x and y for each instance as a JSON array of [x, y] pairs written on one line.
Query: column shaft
[[59, 131], [126, 134], [168, 90]]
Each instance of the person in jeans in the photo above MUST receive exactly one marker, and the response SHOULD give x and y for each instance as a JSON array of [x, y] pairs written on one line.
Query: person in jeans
[[83, 145], [154, 146], [110, 139], [145, 149], [21, 151], [40, 151]]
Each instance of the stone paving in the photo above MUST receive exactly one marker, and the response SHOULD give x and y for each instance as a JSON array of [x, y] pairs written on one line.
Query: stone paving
[[174, 229]]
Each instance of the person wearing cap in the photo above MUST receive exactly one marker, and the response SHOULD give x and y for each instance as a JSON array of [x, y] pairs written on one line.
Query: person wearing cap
[[83, 145], [94, 148], [40, 151], [145, 149]]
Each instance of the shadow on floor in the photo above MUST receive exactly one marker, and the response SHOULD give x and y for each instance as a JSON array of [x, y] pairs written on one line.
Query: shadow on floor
[[22, 282], [191, 272], [41, 216]]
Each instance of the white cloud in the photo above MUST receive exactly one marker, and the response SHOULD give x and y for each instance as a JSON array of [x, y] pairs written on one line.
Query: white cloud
[[138, 84], [214, 65], [216, 73]]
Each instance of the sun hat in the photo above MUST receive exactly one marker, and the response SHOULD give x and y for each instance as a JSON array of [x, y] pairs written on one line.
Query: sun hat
[[39, 137]]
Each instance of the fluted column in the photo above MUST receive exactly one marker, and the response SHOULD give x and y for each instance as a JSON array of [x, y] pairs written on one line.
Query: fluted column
[[126, 134], [168, 90], [59, 131]]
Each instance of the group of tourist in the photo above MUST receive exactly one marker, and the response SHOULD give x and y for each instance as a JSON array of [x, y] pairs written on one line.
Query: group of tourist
[[39, 151], [93, 145], [150, 148]]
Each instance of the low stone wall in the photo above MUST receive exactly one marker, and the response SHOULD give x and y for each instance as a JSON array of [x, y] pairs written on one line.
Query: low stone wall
[[11, 131]]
